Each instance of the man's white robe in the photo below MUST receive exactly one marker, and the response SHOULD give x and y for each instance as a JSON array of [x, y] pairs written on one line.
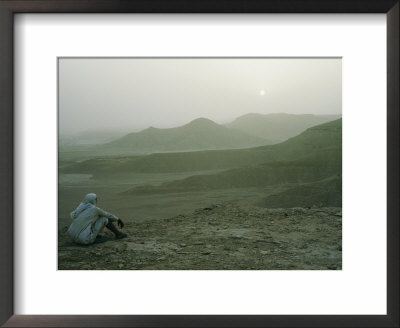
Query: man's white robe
[[88, 220]]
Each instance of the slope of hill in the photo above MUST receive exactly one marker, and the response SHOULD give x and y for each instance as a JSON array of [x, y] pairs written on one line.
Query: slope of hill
[[199, 134], [278, 127], [326, 192], [323, 136], [321, 164]]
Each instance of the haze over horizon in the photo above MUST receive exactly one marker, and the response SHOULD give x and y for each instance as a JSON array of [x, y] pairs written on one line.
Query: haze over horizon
[[133, 94]]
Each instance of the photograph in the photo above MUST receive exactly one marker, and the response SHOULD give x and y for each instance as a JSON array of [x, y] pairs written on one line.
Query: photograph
[[199, 163]]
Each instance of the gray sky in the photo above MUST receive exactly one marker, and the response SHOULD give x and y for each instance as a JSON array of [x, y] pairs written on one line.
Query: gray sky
[[133, 94]]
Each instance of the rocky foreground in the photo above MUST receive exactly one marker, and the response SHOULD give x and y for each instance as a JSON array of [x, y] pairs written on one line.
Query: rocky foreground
[[219, 237]]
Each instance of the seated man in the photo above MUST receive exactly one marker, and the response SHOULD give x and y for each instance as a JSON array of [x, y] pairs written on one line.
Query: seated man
[[89, 220]]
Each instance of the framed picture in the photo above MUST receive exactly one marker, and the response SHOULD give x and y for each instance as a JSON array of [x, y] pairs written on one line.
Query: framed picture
[[173, 167]]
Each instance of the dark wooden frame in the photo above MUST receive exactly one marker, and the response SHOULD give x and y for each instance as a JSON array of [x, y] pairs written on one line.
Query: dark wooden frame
[[7, 10]]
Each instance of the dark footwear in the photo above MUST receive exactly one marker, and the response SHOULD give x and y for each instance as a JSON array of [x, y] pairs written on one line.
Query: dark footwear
[[100, 239], [118, 234], [121, 235]]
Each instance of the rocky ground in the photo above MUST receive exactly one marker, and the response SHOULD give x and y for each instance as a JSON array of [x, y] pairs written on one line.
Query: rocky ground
[[219, 237]]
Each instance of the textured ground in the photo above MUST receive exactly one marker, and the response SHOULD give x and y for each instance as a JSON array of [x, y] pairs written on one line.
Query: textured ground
[[219, 237]]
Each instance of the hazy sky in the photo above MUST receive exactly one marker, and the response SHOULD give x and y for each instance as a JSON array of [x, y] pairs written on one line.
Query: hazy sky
[[132, 94]]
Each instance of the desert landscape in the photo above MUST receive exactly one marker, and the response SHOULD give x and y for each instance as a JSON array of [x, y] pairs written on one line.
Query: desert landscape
[[262, 192]]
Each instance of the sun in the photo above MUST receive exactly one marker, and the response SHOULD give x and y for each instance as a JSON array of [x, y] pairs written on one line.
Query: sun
[[262, 92]]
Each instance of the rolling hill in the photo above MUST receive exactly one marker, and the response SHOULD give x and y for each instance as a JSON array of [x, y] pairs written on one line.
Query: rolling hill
[[278, 127], [314, 155], [199, 134], [325, 136]]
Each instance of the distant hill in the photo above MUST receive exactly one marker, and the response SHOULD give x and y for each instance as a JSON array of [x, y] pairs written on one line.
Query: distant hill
[[88, 138], [278, 127], [199, 134], [313, 155], [321, 137]]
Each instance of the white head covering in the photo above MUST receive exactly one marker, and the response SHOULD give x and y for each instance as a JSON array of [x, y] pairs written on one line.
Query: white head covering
[[89, 200]]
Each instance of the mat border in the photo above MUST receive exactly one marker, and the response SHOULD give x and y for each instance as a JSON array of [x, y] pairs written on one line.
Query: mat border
[[10, 7]]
